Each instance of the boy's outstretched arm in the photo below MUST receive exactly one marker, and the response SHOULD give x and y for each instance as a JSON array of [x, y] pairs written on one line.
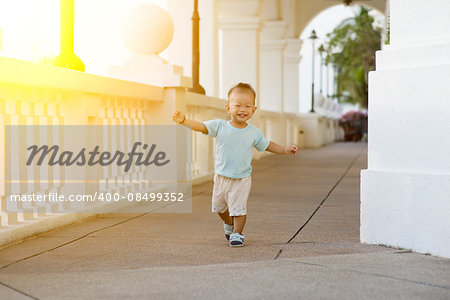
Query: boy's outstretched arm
[[275, 148], [180, 118]]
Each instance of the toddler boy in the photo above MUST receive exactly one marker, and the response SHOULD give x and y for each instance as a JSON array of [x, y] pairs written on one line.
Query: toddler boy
[[235, 140]]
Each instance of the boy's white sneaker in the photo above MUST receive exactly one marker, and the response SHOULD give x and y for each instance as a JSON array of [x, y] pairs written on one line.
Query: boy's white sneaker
[[228, 230], [236, 240]]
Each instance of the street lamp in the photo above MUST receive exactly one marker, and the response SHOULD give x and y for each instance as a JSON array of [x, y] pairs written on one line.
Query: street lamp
[[321, 51], [67, 57], [338, 83], [313, 37], [335, 85], [196, 88], [328, 80]]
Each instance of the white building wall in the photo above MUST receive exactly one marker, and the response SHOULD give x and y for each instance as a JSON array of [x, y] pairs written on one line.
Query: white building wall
[[405, 191]]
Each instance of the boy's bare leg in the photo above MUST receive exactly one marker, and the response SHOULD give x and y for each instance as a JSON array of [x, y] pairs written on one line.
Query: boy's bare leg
[[225, 216], [239, 223]]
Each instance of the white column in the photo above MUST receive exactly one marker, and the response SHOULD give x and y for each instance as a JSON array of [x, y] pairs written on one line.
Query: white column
[[271, 70], [288, 15], [239, 24], [405, 190], [292, 59]]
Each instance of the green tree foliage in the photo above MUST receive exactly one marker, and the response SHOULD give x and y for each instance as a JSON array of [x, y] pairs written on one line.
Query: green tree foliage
[[351, 49]]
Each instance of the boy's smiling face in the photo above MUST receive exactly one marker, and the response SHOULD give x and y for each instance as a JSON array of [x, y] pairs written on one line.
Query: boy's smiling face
[[241, 106]]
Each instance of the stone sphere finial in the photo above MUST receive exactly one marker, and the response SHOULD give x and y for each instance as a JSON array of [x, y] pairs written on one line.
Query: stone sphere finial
[[147, 29]]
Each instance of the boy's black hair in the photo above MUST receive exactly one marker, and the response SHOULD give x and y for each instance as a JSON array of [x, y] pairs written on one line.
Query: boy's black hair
[[245, 86]]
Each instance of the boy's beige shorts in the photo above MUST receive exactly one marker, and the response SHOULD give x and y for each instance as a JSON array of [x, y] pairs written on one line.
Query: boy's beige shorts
[[231, 194]]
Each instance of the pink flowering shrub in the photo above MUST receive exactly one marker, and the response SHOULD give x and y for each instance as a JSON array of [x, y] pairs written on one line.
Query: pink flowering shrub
[[354, 124]]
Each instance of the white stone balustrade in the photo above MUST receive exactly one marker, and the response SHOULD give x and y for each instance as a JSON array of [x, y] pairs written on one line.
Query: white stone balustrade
[[32, 94], [322, 127]]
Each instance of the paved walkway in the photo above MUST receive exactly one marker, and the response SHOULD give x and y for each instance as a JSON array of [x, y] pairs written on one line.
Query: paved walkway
[[302, 243]]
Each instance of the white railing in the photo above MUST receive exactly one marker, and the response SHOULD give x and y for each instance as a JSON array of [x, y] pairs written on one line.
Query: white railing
[[32, 94]]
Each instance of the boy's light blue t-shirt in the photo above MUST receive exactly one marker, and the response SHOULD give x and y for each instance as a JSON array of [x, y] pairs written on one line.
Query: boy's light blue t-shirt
[[234, 147]]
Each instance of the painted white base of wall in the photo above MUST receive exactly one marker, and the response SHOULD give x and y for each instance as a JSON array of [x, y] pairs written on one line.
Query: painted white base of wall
[[405, 193], [406, 210], [409, 120]]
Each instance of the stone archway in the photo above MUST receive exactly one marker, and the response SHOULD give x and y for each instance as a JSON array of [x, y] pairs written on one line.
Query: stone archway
[[324, 22], [306, 10]]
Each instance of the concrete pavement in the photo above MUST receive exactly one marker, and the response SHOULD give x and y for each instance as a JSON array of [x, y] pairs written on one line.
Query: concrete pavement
[[302, 242]]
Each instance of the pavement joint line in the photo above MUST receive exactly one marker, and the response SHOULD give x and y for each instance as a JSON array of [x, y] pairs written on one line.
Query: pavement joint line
[[343, 246], [279, 253], [329, 193], [323, 201], [374, 274], [294, 243], [325, 243], [18, 291], [71, 241]]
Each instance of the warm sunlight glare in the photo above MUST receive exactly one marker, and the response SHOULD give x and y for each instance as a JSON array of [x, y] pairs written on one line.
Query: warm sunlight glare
[[30, 29]]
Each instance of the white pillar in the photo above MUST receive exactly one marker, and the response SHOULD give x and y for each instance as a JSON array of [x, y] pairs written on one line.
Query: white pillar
[[405, 190], [271, 70], [288, 15], [292, 59], [239, 24]]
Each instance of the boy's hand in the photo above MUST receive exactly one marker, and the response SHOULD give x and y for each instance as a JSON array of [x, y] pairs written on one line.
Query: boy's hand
[[178, 117], [292, 149]]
